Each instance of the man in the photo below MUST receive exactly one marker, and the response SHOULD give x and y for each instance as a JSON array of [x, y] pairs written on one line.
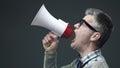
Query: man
[[91, 32]]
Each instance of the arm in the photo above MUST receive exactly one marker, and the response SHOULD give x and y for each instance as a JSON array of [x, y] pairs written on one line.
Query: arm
[[50, 60], [50, 43]]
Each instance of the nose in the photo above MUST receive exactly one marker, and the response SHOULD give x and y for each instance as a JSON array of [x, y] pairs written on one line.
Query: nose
[[76, 26]]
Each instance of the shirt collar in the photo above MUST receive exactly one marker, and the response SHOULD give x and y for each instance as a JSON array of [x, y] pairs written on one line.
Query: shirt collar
[[90, 56]]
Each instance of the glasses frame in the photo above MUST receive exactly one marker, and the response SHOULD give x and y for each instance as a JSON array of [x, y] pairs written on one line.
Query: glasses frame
[[89, 26]]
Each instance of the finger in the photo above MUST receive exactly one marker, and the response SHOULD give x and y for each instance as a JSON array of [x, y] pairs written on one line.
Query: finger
[[53, 35], [46, 42], [43, 41], [49, 38]]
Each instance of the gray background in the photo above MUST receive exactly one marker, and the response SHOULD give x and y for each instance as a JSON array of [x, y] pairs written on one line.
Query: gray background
[[21, 45]]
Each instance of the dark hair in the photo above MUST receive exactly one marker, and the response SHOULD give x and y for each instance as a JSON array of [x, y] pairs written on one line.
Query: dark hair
[[104, 24]]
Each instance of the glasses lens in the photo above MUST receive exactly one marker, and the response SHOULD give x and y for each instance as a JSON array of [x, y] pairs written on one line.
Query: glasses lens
[[83, 21], [89, 25]]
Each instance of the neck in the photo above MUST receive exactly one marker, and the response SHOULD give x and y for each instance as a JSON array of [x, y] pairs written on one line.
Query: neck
[[87, 49]]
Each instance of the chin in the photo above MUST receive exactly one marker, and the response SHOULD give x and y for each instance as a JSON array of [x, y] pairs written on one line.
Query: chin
[[72, 45]]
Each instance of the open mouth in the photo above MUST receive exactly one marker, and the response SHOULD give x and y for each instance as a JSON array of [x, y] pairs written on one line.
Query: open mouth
[[73, 40], [74, 37]]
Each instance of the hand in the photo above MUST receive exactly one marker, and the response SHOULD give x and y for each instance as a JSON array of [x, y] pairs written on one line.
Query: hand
[[50, 43]]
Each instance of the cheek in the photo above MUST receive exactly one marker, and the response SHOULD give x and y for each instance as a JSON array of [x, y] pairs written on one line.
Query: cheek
[[82, 34], [82, 38]]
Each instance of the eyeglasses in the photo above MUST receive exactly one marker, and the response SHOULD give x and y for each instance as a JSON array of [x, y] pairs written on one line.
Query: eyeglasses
[[89, 26]]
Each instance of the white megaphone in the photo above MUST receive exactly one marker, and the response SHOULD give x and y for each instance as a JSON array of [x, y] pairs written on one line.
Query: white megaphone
[[46, 20]]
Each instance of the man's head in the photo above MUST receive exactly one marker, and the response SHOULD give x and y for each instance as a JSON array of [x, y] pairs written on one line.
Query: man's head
[[95, 28]]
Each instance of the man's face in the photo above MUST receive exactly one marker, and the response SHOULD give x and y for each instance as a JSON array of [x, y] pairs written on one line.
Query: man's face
[[82, 33]]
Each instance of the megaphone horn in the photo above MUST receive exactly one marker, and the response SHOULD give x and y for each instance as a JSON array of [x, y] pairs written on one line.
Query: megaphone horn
[[44, 19]]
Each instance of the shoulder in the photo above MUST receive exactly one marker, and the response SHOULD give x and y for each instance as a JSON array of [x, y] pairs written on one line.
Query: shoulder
[[100, 64]]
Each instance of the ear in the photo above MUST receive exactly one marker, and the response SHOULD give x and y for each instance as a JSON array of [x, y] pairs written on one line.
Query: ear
[[95, 36]]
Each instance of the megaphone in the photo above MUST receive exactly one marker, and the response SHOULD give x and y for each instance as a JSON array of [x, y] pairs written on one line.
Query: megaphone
[[44, 19]]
